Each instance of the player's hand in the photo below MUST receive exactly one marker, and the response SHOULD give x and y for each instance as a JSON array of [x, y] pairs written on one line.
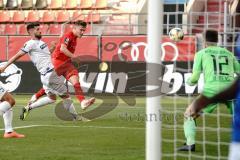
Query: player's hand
[[2, 69], [196, 106], [52, 46], [76, 59], [190, 111]]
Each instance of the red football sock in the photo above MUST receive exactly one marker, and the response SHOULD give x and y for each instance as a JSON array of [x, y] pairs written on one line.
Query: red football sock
[[40, 93], [78, 92]]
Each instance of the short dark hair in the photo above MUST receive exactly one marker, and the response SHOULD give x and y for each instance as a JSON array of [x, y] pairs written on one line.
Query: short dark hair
[[32, 25], [211, 36], [80, 23]]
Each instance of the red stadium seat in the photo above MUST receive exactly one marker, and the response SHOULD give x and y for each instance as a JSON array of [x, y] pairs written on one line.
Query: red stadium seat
[[27, 4], [4, 16], [41, 4], [86, 4], [100, 4], [71, 4], [10, 29], [93, 17], [63, 16], [48, 17], [56, 4], [55, 29], [33, 16], [68, 28], [18, 17], [44, 28], [22, 30], [77, 15]]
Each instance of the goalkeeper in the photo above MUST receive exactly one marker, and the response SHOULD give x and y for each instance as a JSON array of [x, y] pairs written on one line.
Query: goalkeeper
[[218, 66]]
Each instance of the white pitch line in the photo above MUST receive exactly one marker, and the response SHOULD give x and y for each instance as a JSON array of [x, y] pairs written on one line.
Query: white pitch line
[[63, 126]]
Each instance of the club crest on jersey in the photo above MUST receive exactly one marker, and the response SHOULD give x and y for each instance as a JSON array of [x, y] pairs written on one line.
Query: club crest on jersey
[[11, 77], [66, 40]]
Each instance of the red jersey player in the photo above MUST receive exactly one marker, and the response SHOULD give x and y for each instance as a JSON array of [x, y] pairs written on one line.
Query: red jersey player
[[62, 60]]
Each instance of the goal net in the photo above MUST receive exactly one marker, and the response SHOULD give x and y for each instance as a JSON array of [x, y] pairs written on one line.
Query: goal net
[[213, 130]]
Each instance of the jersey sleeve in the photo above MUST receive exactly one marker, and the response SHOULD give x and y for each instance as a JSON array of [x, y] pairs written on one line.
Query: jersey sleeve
[[236, 65], [27, 47], [65, 39], [197, 69]]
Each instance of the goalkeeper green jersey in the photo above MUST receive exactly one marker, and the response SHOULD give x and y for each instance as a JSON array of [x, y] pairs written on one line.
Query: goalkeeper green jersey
[[218, 66]]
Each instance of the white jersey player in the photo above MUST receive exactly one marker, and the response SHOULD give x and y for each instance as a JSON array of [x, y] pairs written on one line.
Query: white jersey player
[[52, 83]]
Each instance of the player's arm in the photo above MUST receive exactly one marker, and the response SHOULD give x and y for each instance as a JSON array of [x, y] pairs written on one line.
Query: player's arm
[[12, 60], [202, 101], [64, 49], [236, 66], [197, 69], [52, 46]]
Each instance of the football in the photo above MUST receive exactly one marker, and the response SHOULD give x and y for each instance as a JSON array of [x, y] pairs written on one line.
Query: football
[[176, 34]]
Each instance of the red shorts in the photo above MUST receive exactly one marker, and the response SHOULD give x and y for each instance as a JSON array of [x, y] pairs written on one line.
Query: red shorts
[[65, 69]]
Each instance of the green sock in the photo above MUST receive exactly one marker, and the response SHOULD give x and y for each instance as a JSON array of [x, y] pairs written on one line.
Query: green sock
[[190, 130]]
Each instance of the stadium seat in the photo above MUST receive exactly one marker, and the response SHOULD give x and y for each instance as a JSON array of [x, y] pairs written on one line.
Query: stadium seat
[[100, 4], [33, 16], [44, 28], [41, 4], [68, 28], [71, 4], [56, 4], [22, 30], [93, 17], [4, 17], [10, 29], [48, 17], [77, 15], [86, 4], [2, 29], [55, 29], [1, 4], [18, 17], [27, 4], [12, 4], [63, 16]]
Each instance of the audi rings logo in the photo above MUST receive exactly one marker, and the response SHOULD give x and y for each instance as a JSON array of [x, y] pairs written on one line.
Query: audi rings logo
[[135, 52]]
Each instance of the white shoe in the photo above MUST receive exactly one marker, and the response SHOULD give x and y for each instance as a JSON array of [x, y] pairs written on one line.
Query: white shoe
[[87, 103]]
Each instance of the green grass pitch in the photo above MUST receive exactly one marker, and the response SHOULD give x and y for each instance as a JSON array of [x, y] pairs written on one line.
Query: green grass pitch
[[118, 135]]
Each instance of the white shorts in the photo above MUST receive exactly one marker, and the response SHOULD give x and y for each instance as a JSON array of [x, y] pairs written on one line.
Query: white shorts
[[2, 92], [54, 84], [234, 151]]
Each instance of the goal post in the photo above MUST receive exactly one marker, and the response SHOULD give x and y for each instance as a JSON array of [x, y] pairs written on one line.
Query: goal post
[[153, 126]]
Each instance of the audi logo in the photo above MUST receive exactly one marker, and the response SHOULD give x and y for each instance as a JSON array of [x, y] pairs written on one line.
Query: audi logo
[[135, 53]]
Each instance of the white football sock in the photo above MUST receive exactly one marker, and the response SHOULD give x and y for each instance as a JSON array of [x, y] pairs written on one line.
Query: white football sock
[[69, 106], [41, 102], [4, 107], [8, 117]]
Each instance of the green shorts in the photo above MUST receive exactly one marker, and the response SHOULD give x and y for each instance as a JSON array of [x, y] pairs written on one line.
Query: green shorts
[[210, 108]]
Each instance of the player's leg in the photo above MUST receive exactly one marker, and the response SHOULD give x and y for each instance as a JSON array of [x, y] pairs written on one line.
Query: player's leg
[[189, 127], [68, 105], [49, 99], [72, 76], [7, 102], [37, 95]]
